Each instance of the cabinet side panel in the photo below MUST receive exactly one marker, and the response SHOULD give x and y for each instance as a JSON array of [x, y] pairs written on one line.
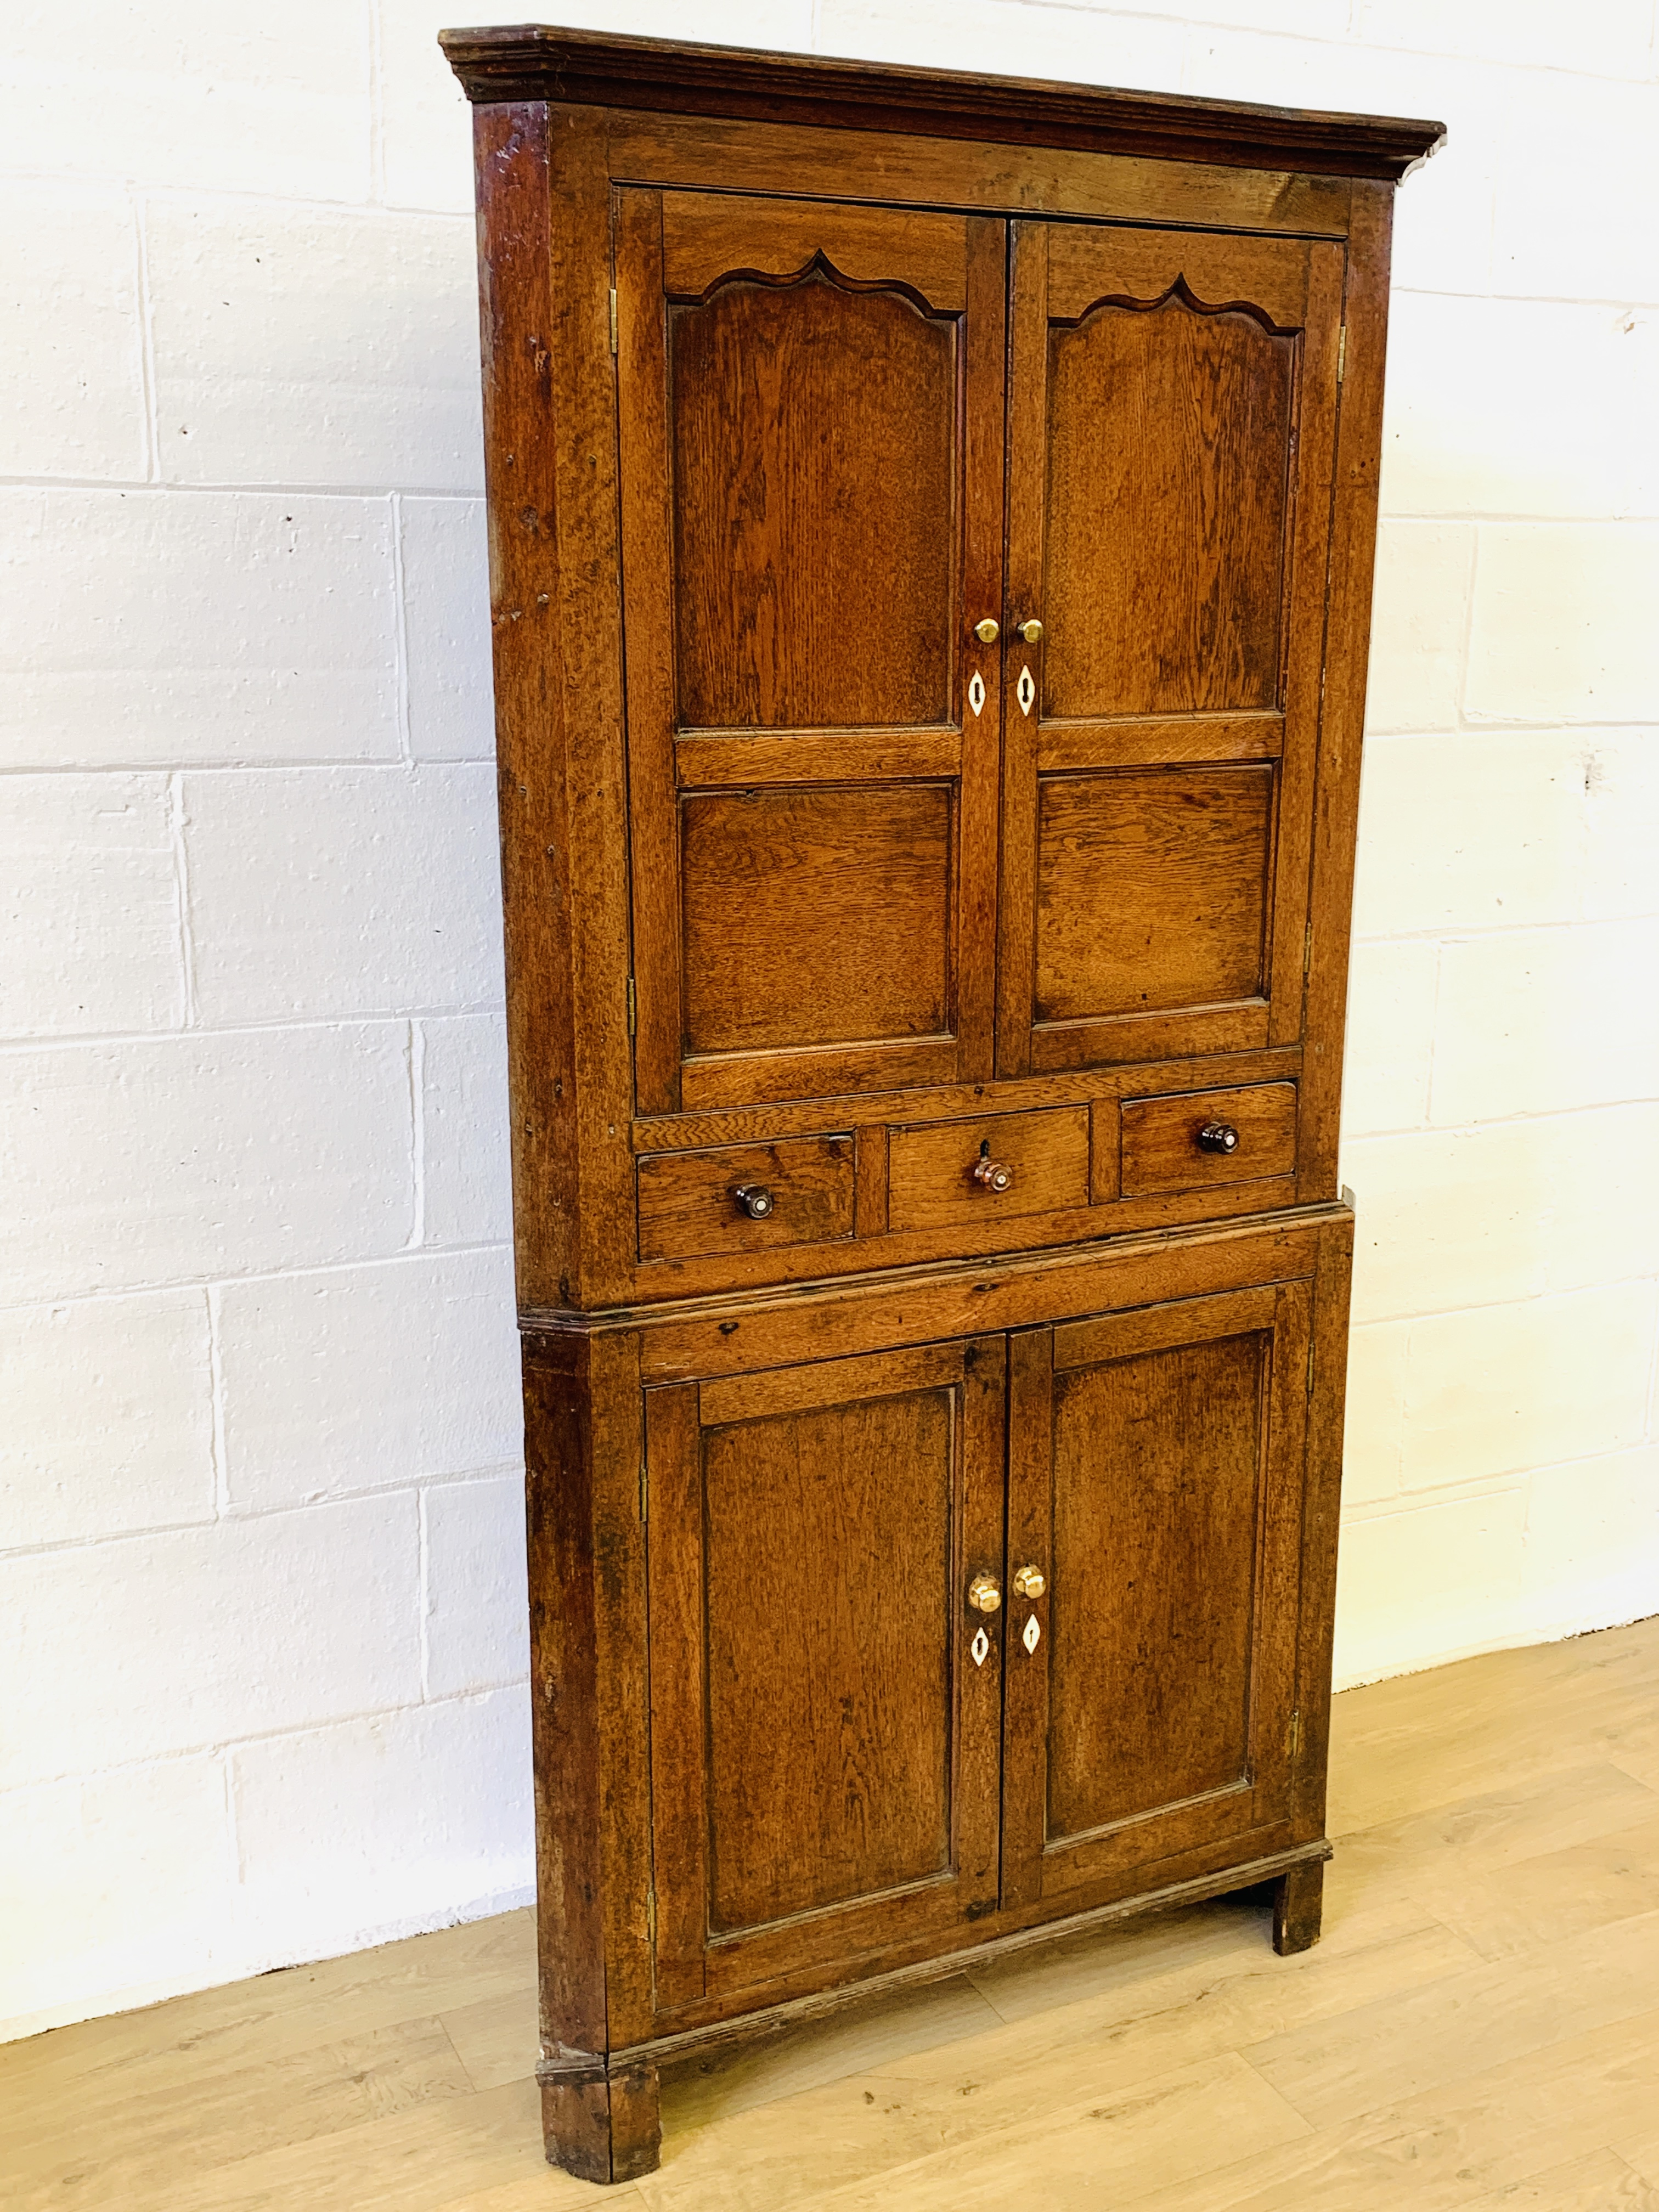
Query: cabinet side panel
[[590, 666], [1348, 644], [565, 1698], [619, 1539], [516, 320], [1322, 1511]]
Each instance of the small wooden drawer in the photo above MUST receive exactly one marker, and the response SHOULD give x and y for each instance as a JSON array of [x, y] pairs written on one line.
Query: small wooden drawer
[[930, 1168], [1163, 1146], [690, 1206]]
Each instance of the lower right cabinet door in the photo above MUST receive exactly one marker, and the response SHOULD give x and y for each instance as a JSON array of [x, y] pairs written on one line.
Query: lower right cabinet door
[[1154, 1544]]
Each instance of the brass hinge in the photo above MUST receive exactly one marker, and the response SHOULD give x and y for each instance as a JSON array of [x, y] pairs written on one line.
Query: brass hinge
[[1307, 948], [1296, 1732], [1310, 1369], [613, 321], [645, 1490], [633, 1009], [650, 1913], [1341, 341]]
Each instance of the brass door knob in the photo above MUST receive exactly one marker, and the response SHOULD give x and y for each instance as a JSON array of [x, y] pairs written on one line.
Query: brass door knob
[[1031, 631], [987, 631], [753, 1198], [983, 1594], [1030, 1582], [1218, 1137], [994, 1175]]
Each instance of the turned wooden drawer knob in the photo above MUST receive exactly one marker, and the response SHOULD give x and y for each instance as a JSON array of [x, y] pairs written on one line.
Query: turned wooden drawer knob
[[1030, 1582], [1218, 1137], [983, 1594], [993, 1173], [755, 1200]]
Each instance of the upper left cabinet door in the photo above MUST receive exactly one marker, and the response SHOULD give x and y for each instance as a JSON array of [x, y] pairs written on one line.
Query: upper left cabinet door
[[811, 409]]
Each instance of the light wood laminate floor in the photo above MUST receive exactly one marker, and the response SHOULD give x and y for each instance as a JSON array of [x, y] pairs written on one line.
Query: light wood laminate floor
[[1479, 2028]]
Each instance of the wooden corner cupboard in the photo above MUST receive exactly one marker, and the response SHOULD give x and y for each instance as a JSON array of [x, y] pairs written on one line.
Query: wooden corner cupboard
[[930, 528]]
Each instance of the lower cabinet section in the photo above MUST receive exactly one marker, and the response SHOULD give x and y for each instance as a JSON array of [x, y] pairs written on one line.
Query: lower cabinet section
[[937, 1634]]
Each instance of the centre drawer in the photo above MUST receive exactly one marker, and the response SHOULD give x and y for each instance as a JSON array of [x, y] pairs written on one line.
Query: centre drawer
[[943, 1172], [1193, 1139], [745, 1198]]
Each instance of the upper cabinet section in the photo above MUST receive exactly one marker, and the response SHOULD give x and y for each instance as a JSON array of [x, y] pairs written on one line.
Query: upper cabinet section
[[931, 535]]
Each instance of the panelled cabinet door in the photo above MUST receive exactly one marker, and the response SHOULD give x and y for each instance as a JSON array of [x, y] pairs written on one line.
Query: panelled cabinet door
[[811, 403], [825, 1702], [1155, 1487], [1171, 426]]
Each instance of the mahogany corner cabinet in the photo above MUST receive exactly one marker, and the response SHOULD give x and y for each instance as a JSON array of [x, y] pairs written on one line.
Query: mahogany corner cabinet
[[931, 525]]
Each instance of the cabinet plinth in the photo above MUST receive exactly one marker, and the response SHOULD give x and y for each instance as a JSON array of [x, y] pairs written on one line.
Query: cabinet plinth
[[931, 532]]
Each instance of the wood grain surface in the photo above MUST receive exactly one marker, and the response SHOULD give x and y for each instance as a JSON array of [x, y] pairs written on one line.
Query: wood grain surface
[[1161, 1151], [931, 1169], [688, 1204]]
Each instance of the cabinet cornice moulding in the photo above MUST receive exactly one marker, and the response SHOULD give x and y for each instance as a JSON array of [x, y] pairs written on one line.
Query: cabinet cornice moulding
[[541, 61]]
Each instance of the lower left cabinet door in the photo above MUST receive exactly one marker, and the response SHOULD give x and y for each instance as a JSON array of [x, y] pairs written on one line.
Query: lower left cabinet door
[[824, 1717]]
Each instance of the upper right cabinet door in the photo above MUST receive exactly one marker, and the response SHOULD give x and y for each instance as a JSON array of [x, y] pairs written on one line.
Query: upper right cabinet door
[[1172, 423]]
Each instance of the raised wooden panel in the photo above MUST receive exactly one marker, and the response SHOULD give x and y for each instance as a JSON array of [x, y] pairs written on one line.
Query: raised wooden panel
[[1155, 1480], [1268, 277], [827, 1562], [816, 916], [824, 1748], [705, 240], [812, 431], [930, 1168], [1152, 889], [1176, 424], [688, 1204], [1158, 1470]]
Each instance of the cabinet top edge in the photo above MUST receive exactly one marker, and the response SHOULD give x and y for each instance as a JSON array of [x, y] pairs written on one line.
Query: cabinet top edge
[[539, 62]]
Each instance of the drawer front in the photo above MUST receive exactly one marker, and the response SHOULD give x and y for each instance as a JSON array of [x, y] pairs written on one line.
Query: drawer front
[[931, 1182], [690, 1207], [1164, 1139]]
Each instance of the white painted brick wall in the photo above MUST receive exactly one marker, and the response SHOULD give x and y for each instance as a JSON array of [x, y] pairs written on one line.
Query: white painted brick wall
[[261, 1564]]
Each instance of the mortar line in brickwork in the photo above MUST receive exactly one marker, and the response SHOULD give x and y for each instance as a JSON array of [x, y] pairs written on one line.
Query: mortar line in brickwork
[[181, 895], [1409, 1316], [155, 1286], [394, 1487], [376, 1018], [1621, 302], [147, 347], [179, 487], [386, 764], [225, 1747]]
